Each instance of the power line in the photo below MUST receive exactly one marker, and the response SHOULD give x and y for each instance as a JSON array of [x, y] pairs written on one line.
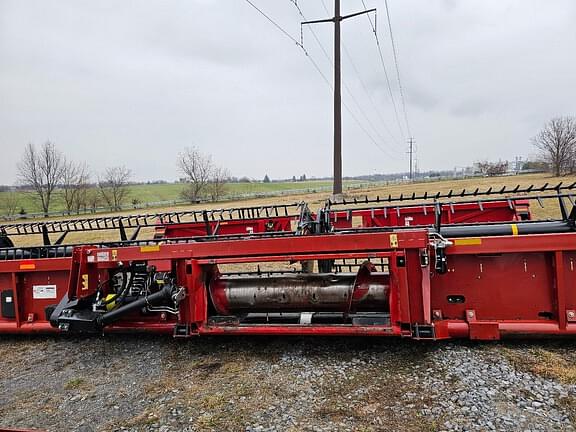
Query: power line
[[275, 24], [348, 89], [394, 52], [373, 25], [295, 3], [326, 80], [365, 87], [370, 97], [289, 36], [337, 21], [390, 155]]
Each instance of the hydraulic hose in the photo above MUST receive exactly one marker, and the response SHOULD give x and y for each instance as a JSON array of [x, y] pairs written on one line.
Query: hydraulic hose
[[153, 299]]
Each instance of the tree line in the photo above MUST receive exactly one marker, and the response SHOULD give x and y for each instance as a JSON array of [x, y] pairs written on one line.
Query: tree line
[[44, 170]]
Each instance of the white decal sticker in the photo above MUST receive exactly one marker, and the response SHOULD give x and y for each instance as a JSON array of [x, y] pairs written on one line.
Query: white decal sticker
[[103, 256], [44, 291]]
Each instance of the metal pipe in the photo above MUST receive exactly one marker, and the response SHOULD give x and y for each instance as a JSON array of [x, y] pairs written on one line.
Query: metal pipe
[[547, 227], [311, 292], [461, 329]]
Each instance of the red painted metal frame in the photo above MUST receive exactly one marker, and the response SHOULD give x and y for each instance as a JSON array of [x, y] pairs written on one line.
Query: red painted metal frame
[[494, 286], [491, 211], [225, 227], [191, 261], [513, 285], [201, 256]]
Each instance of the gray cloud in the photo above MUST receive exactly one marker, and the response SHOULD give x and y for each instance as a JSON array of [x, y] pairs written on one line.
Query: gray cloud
[[135, 82]]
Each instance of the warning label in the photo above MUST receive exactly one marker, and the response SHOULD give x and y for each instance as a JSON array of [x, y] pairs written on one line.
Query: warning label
[[102, 256], [44, 291]]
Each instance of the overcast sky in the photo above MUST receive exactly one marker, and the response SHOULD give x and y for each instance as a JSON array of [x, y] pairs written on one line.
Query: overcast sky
[[134, 82]]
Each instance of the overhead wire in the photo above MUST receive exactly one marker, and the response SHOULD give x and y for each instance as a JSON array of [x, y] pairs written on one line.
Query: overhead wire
[[348, 89], [395, 54], [381, 56], [275, 24], [364, 86], [370, 97], [318, 69], [293, 39]]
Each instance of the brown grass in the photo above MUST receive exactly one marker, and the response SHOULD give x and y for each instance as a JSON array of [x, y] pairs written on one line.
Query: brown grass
[[551, 362], [383, 386], [316, 200], [550, 209], [203, 390], [547, 363]]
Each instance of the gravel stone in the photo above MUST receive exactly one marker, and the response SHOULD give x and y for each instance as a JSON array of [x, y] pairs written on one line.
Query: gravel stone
[[153, 383]]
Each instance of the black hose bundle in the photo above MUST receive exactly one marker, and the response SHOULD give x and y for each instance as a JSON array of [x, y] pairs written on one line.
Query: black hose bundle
[[155, 299]]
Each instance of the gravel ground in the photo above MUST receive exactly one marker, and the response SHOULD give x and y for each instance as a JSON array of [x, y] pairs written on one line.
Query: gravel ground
[[154, 383]]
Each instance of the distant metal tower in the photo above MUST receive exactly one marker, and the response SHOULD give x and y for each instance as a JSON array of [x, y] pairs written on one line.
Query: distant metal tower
[[411, 152]]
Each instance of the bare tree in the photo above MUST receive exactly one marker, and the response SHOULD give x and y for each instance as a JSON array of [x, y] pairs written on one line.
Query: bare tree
[[10, 203], [93, 199], [114, 186], [42, 171], [557, 144], [217, 183], [74, 184], [82, 197], [197, 168]]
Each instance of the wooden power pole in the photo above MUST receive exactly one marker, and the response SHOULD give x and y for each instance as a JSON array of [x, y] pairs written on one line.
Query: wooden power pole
[[336, 19]]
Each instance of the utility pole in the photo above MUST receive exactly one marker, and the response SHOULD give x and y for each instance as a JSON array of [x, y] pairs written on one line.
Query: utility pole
[[337, 188], [411, 152]]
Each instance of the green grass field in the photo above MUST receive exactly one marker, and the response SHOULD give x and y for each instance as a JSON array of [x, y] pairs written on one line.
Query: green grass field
[[161, 196], [549, 210], [156, 193]]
